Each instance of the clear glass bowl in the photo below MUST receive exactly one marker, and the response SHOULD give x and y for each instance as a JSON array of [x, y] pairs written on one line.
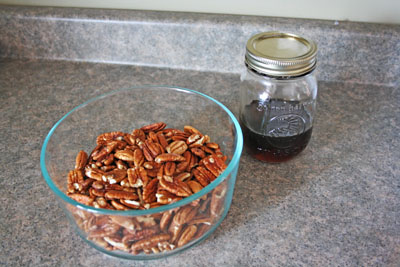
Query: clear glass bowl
[[123, 110]]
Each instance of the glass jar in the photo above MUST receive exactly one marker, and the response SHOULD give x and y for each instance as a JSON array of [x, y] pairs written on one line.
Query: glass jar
[[278, 95]]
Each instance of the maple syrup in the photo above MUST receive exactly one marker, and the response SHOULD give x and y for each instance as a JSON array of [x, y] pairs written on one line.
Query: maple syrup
[[274, 149], [280, 136]]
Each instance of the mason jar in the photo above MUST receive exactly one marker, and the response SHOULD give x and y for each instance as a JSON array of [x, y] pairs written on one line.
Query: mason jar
[[278, 95]]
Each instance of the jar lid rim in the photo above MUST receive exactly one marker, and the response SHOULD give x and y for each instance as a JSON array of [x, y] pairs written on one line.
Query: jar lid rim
[[280, 54]]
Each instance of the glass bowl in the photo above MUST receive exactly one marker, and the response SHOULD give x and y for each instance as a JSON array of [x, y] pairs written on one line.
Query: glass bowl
[[155, 231]]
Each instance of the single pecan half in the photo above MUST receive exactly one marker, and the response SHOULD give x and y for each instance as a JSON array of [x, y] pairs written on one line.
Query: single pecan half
[[75, 180], [217, 200], [127, 222], [137, 176], [201, 220], [138, 134], [165, 246], [203, 175], [177, 147], [187, 235], [153, 148], [126, 155], [165, 197], [198, 143], [110, 136], [84, 199], [102, 203], [191, 130], [176, 187], [139, 235], [166, 219], [75, 176], [116, 194], [81, 160], [97, 192], [116, 242], [138, 158], [149, 192], [198, 152], [183, 176], [214, 164], [107, 168], [114, 176], [162, 140], [195, 186], [118, 205], [148, 243], [155, 127], [182, 166], [169, 157], [146, 220], [169, 168], [184, 215], [133, 204], [104, 230]]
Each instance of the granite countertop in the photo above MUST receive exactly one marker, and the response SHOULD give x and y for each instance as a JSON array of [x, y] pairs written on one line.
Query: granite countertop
[[337, 204]]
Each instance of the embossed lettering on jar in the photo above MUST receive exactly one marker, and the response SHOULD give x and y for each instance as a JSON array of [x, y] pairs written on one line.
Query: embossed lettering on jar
[[278, 95]]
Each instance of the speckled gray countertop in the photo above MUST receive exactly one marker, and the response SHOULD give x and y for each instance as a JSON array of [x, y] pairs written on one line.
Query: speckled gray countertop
[[337, 204]]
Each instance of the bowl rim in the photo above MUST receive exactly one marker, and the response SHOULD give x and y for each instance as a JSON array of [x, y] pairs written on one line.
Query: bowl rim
[[232, 164]]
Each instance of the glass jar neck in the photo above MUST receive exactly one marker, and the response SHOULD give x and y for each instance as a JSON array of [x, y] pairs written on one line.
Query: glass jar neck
[[251, 70]]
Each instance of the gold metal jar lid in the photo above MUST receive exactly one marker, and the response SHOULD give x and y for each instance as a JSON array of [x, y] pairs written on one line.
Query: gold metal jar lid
[[280, 54]]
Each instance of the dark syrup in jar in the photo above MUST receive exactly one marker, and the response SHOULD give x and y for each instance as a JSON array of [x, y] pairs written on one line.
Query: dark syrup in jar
[[283, 132]]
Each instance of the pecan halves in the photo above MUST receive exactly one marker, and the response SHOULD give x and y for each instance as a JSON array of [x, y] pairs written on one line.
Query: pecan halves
[[144, 169], [75, 176], [137, 176], [203, 175], [75, 180]]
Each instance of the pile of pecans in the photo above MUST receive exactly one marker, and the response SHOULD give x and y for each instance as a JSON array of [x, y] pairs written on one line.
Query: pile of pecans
[[150, 167]]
